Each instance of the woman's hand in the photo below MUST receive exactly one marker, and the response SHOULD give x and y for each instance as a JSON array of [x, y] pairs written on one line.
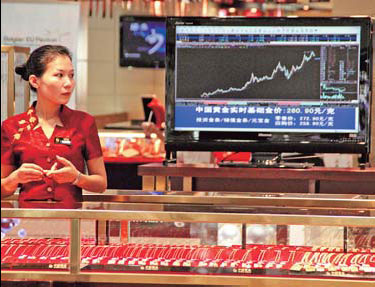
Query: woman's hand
[[95, 180], [68, 173], [28, 172], [11, 176]]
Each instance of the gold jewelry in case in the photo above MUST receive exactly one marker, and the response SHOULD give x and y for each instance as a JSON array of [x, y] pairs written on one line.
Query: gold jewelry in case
[[186, 263], [332, 268], [345, 268], [296, 267], [354, 269], [176, 263], [164, 263], [121, 261], [213, 264], [310, 268], [202, 264]]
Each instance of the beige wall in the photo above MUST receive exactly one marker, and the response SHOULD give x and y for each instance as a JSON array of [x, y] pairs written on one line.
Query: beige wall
[[111, 88], [106, 88], [353, 7]]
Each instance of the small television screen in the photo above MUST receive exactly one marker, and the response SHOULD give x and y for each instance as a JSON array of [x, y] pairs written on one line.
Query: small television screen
[[269, 84], [142, 41]]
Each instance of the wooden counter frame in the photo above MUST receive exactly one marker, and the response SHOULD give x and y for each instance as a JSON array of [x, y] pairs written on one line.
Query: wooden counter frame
[[76, 274], [153, 173]]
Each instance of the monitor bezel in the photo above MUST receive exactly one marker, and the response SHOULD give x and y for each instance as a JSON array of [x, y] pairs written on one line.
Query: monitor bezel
[[138, 63], [251, 141]]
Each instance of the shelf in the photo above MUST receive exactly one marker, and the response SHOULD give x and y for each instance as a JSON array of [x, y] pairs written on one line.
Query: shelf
[[312, 176]]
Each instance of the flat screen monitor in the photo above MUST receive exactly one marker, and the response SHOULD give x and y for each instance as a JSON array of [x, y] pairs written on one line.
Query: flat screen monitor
[[142, 41], [269, 84]]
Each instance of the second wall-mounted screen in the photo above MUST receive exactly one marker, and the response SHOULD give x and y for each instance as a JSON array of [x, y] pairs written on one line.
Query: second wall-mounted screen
[[142, 41]]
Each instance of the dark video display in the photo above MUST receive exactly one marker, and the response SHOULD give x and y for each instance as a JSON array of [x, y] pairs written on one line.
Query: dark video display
[[142, 41]]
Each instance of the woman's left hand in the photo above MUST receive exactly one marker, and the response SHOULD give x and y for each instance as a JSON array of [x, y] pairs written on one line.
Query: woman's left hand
[[68, 173]]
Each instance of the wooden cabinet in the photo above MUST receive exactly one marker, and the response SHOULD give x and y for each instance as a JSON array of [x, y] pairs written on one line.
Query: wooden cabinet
[[210, 177]]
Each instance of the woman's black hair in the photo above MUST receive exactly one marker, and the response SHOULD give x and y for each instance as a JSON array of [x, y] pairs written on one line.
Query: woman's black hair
[[38, 60]]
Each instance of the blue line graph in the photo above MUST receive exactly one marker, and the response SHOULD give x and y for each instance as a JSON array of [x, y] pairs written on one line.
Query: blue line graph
[[288, 73], [337, 93]]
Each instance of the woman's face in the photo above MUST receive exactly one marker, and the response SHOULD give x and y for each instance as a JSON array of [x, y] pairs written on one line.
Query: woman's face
[[57, 83]]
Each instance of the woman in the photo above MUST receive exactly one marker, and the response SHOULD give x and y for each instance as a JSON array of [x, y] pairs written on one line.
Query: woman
[[45, 149]]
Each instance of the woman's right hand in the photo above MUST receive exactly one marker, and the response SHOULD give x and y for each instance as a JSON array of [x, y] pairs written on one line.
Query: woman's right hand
[[28, 172], [11, 177]]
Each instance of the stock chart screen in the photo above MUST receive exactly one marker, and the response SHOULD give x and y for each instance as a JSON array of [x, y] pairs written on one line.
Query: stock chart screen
[[267, 78]]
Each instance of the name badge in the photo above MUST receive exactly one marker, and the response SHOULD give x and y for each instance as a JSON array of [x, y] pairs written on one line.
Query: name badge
[[65, 141]]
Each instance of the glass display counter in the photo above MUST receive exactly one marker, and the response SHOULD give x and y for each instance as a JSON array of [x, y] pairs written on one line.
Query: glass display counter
[[130, 146], [124, 151], [190, 239]]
